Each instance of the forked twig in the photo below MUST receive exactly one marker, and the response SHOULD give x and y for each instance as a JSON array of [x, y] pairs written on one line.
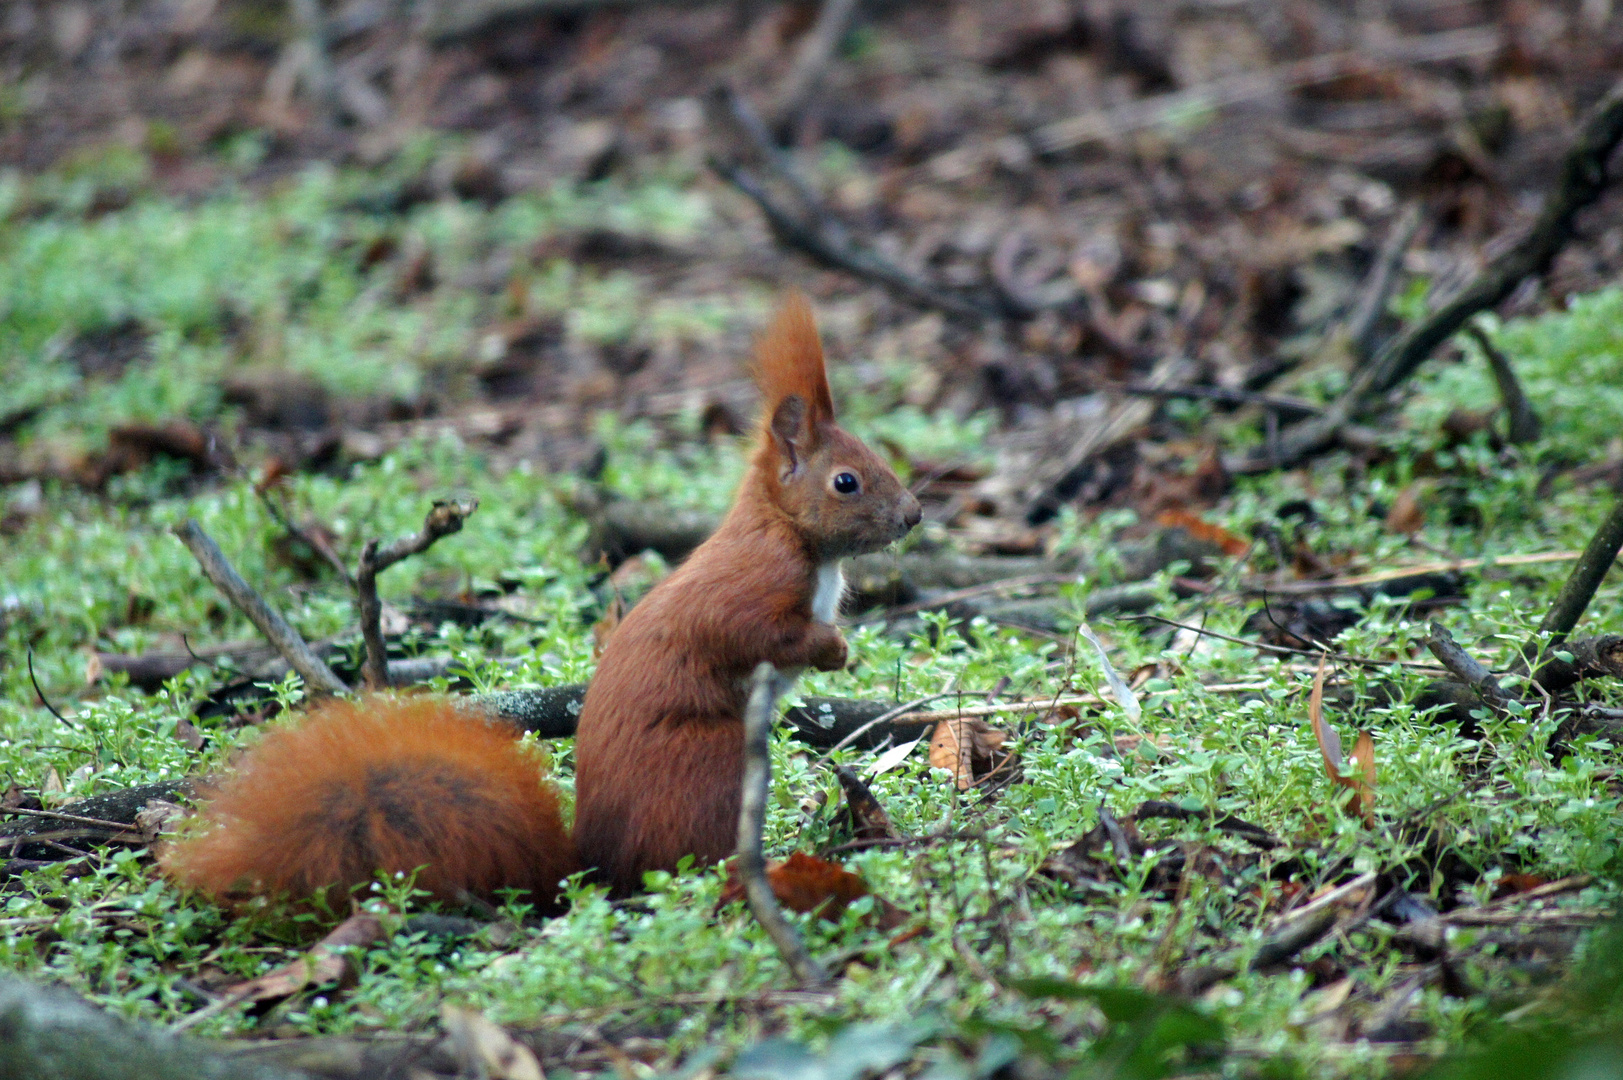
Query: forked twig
[[445, 518], [318, 677], [765, 686]]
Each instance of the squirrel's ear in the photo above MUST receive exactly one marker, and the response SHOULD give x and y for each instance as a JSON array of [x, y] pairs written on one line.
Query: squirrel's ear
[[791, 432], [789, 361]]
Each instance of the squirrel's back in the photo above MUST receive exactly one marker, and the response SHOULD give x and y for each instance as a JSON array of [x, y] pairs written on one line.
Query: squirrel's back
[[384, 783]]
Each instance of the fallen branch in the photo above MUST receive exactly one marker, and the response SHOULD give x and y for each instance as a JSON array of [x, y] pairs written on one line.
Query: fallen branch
[[318, 677], [1467, 669], [1522, 423], [444, 519], [1284, 406], [47, 1033], [814, 231], [1582, 178], [1365, 317], [1597, 558], [752, 822], [811, 59]]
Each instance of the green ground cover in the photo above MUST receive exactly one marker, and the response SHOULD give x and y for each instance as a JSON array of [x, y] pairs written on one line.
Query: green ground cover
[[275, 278]]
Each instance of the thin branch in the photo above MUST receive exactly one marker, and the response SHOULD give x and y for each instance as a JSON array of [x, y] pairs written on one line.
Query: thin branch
[[813, 230], [43, 700], [1467, 669], [1582, 178], [445, 518], [812, 58], [1365, 316], [322, 549], [1285, 406], [1104, 125], [825, 249], [1597, 558], [764, 689], [1523, 424], [318, 677]]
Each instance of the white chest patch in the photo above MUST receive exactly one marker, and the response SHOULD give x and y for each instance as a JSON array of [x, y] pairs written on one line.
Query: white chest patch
[[830, 590]]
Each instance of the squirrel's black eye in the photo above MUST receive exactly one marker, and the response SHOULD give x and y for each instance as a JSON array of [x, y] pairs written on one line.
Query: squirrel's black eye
[[847, 483]]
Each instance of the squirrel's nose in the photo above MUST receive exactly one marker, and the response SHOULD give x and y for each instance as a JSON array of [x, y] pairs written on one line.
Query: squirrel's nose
[[912, 513]]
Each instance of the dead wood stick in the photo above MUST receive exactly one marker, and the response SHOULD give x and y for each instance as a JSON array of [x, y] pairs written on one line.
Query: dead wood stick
[[1522, 422], [446, 517], [1467, 669], [50, 1033], [764, 690], [318, 677], [1584, 175], [1590, 570], [323, 550], [811, 59], [1284, 406], [1366, 314], [816, 232], [825, 249]]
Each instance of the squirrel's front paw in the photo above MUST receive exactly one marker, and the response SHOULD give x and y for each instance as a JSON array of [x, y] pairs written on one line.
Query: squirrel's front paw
[[831, 652]]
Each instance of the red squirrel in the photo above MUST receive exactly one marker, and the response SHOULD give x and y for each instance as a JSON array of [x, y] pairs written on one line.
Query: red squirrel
[[394, 784]]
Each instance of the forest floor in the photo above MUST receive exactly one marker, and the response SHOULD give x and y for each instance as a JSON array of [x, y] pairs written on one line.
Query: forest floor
[[1112, 285]]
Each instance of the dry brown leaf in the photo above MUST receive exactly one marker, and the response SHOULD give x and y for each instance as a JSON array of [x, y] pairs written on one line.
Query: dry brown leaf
[[1407, 514], [1362, 783], [805, 883], [187, 734], [969, 748], [484, 1048], [318, 966]]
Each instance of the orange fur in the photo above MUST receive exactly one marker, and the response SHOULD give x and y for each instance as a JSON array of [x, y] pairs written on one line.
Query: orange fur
[[659, 748], [398, 783], [388, 784], [789, 361]]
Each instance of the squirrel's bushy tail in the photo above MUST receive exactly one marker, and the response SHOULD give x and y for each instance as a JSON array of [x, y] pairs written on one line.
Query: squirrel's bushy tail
[[383, 783]]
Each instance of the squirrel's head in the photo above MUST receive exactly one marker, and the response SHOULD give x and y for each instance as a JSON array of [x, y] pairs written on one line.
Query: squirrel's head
[[842, 497]]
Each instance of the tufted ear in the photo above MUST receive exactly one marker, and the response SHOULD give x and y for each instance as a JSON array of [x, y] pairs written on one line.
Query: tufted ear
[[791, 432], [789, 363]]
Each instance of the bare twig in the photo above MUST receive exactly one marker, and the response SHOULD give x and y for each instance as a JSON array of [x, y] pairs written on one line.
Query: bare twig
[[1583, 177], [322, 549], [1597, 558], [43, 700], [318, 677], [813, 230], [444, 519], [1522, 422], [1285, 406], [1365, 316], [812, 58], [1467, 669], [764, 690], [863, 264]]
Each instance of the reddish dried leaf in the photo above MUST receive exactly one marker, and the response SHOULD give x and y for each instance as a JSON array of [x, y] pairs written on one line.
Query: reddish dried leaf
[[1203, 530], [970, 749], [1407, 514], [805, 883], [1329, 740], [1512, 884], [318, 966]]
